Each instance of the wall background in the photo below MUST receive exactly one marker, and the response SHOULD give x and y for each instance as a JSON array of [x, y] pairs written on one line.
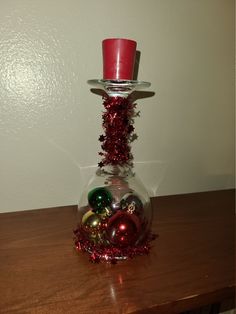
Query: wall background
[[50, 121]]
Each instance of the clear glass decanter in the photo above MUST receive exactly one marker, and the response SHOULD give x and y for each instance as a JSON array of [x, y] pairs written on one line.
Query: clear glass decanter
[[115, 211]]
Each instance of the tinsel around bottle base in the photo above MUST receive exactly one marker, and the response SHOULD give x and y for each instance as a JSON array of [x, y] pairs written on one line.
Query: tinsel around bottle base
[[111, 254]]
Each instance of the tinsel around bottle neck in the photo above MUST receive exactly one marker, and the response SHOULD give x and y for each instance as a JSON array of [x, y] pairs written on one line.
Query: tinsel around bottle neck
[[118, 130]]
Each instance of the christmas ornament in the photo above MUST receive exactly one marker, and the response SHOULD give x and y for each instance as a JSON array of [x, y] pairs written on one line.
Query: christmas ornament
[[99, 198], [91, 227], [132, 204], [123, 229], [91, 221], [115, 211]]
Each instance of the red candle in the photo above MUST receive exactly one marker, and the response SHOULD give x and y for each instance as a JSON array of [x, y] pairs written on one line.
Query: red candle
[[118, 58]]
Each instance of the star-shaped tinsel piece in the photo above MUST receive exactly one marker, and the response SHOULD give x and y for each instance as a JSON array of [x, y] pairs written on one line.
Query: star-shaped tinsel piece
[[101, 138]]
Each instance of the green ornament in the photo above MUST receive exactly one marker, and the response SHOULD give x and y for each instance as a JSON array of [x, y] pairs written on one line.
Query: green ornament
[[99, 198]]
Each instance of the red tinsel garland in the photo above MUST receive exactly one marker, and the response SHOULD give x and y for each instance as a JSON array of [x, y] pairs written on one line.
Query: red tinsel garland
[[110, 254], [118, 127]]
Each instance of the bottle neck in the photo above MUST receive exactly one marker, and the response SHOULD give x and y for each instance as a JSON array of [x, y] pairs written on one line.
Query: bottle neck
[[118, 129], [119, 88]]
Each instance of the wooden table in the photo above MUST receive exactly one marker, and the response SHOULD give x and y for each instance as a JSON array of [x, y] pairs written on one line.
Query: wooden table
[[191, 263]]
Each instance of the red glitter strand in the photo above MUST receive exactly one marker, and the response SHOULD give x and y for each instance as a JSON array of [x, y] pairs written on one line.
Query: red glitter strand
[[110, 254], [117, 124]]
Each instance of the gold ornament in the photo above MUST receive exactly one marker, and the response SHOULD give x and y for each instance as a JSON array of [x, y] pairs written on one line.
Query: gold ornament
[[91, 222], [92, 225]]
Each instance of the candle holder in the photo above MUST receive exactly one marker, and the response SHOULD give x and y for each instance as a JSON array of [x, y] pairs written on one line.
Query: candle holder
[[115, 212]]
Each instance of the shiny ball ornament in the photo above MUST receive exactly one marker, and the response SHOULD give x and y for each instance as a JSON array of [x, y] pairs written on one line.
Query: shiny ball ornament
[[132, 204], [123, 229], [91, 222], [99, 198]]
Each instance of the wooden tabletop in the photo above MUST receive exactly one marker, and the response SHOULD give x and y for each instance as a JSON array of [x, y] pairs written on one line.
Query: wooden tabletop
[[191, 263]]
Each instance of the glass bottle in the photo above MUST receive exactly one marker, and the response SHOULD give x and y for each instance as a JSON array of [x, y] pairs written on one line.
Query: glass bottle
[[115, 211]]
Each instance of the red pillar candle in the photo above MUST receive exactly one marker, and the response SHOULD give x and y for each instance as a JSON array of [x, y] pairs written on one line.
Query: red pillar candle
[[118, 58]]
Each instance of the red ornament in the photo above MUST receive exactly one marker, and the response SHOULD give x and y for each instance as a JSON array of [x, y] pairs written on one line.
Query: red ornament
[[123, 229]]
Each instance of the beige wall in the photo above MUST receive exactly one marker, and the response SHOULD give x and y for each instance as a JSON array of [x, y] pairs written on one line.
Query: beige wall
[[50, 121]]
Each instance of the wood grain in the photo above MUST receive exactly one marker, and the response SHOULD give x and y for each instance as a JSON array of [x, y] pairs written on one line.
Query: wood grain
[[191, 263]]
